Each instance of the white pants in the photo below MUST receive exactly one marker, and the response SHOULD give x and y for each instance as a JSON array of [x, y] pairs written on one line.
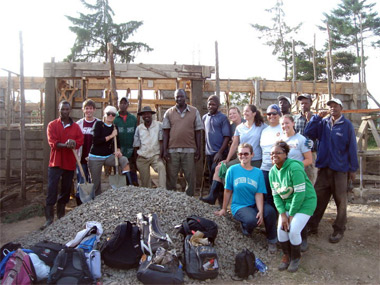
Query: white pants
[[299, 221]]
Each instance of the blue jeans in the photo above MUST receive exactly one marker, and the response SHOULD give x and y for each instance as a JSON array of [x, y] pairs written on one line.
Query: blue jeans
[[81, 179], [247, 217], [268, 197], [54, 174]]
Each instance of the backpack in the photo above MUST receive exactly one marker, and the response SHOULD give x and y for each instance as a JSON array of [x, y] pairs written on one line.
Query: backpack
[[88, 238], [47, 251], [201, 262], [7, 248], [123, 250], [70, 267], [194, 223], [163, 268], [19, 269], [245, 264], [152, 237]]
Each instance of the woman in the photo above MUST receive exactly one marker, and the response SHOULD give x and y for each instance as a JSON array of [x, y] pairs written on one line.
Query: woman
[[299, 150], [235, 118], [245, 183], [247, 132], [268, 137], [103, 150], [295, 200]]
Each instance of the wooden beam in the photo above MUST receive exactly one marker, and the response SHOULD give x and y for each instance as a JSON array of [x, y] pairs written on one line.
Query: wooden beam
[[374, 132]]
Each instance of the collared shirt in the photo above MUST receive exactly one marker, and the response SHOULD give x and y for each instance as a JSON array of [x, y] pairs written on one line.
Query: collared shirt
[[198, 125], [148, 139], [300, 123], [217, 127]]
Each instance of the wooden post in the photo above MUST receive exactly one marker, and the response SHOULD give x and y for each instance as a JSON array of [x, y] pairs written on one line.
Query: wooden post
[[113, 93], [314, 67], [294, 68], [22, 123], [257, 94], [217, 80], [139, 99], [331, 58], [41, 106], [328, 74], [8, 110]]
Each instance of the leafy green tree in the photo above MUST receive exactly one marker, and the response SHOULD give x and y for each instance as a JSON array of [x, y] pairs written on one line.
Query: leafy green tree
[[278, 35], [352, 26], [95, 30], [239, 98]]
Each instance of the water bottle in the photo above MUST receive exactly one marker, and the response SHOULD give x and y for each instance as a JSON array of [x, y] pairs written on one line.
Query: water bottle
[[260, 265]]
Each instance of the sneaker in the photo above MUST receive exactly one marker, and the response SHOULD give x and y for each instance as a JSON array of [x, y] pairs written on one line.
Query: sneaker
[[335, 237], [272, 248]]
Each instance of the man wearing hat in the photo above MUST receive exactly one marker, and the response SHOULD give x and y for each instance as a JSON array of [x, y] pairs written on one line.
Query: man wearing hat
[[148, 143], [127, 123], [337, 162], [285, 104]]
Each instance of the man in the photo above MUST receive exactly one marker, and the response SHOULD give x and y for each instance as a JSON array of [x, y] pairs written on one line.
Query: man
[[63, 135], [300, 122], [87, 125], [217, 136], [336, 159], [182, 127], [127, 123], [148, 144], [285, 104]]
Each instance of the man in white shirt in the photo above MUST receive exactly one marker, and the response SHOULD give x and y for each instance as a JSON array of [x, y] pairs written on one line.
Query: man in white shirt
[[148, 144]]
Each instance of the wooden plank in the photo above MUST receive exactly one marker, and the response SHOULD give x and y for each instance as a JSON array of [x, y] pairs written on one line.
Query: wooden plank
[[360, 133], [374, 132], [370, 178]]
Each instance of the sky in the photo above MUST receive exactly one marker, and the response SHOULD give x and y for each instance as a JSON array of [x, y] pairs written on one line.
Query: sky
[[179, 31]]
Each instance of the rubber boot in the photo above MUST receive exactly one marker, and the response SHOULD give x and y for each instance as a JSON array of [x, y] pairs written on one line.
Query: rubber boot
[[135, 181], [128, 178], [220, 198], [214, 193], [304, 244], [60, 210], [49, 214], [295, 257], [285, 261]]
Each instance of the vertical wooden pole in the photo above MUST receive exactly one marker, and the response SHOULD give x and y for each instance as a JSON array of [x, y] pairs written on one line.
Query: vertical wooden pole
[[22, 123], [294, 68], [314, 67], [330, 57], [113, 93], [140, 98], [217, 81], [257, 94], [328, 74], [8, 133]]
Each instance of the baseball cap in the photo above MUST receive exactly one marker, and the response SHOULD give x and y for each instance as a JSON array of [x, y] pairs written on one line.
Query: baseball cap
[[284, 97], [304, 96], [274, 106], [124, 98], [110, 108], [334, 100]]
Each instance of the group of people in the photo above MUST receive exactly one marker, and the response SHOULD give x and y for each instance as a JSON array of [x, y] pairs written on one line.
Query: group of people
[[266, 170]]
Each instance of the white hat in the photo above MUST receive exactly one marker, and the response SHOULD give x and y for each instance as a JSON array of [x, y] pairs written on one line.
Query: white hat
[[284, 97], [111, 109], [335, 100]]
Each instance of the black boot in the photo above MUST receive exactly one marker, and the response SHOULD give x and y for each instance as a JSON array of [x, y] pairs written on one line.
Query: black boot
[[49, 214], [60, 210], [220, 198], [214, 192], [295, 257], [304, 244], [128, 178], [285, 261]]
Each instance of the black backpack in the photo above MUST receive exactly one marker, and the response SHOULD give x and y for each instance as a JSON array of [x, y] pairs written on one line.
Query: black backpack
[[201, 262], [47, 251], [245, 264], [123, 250], [70, 267], [7, 248], [194, 223]]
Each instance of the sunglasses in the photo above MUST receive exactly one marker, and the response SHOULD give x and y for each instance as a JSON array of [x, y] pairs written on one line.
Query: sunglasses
[[243, 154], [111, 114], [272, 114]]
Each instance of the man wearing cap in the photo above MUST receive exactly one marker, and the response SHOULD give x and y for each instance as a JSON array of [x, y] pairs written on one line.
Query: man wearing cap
[[127, 123], [285, 104], [148, 144], [182, 125], [337, 161], [300, 122], [63, 135]]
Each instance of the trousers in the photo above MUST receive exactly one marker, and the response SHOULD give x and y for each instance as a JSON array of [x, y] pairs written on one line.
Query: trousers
[[144, 164], [184, 161]]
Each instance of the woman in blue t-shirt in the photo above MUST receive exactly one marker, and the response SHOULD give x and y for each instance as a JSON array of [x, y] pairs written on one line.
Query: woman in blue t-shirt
[[245, 183]]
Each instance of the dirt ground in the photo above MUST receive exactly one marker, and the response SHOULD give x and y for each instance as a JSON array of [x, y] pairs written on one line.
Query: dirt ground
[[354, 260]]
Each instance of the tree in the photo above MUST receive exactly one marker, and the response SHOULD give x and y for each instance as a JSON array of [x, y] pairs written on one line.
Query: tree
[[352, 25], [95, 30], [279, 35]]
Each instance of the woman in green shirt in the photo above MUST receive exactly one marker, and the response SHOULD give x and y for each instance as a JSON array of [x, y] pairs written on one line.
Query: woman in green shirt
[[295, 200]]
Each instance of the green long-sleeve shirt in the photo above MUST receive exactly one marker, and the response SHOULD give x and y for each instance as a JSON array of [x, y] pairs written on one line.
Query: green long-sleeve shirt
[[291, 188]]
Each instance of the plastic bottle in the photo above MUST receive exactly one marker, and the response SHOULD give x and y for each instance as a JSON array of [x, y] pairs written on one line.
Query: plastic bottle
[[260, 265]]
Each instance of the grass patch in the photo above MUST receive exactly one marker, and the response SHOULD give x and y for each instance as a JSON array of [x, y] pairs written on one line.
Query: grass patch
[[26, 213]]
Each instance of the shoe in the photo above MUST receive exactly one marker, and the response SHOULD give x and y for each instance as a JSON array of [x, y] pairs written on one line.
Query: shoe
[[215, 188], [206, 200], [243, 230], [49, 214], [60, 210], [272, 248], [335, 237]]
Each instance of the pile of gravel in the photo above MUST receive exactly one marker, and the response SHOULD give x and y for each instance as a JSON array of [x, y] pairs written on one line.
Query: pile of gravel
[[116, 206]]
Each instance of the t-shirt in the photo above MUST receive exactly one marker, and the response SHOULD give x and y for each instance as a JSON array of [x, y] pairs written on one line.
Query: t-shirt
[[244, 184], [297, 146], [268, 138], [88, 132], [216, 128], [252, 136]]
